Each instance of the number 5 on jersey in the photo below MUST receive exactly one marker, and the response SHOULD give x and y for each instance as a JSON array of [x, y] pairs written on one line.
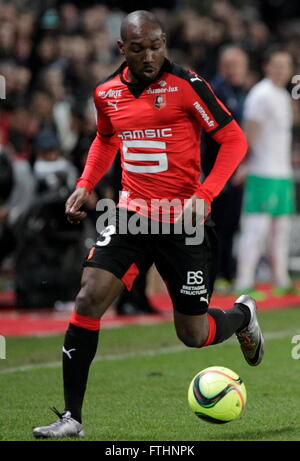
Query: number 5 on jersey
[[160, 157]]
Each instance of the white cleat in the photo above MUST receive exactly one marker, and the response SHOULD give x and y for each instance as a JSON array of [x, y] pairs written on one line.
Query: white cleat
[[251, 338], [66, 426]]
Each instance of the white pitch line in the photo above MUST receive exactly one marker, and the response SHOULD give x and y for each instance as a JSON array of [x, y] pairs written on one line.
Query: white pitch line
[[99, 358], [149, 353]]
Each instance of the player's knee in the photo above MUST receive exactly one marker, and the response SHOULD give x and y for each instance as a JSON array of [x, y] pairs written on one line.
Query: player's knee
[[89, 301], [191, 338]]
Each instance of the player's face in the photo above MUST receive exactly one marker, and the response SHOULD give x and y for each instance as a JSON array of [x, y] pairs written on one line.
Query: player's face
[[144, 50]]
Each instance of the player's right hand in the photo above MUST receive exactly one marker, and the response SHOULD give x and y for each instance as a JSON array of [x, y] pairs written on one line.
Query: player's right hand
[[74, 203], [195, 209]]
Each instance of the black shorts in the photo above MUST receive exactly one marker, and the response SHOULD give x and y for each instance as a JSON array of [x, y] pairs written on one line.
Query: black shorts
[[189, 271]]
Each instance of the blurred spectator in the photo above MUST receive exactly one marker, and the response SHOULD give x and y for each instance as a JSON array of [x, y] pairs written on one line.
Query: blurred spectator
[[50, 169], [52, 82], [41, 108], [230, 87], [269, 190], [82, 122], [6, 185], [7, 39], [69, 18], [48, 240], [16, 195], [199, 37]]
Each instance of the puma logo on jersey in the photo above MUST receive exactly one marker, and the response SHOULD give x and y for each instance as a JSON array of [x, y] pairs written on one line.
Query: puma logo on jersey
[[68, 353], [113, 104], [194, 79]]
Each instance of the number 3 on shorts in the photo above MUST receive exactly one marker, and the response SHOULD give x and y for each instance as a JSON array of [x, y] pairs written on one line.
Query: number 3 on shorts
[[106, 233]]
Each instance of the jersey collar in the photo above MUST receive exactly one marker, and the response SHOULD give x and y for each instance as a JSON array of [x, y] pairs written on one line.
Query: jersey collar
[[136, 89]]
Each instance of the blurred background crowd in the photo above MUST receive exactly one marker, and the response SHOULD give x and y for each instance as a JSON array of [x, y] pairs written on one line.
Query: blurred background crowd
[[52, 54]]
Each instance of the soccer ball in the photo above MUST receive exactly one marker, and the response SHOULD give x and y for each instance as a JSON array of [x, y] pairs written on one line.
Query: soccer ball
[[217, 395]]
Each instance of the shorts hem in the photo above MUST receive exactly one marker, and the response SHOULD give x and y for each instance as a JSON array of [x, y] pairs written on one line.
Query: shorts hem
[[102, 266], [195, 311]]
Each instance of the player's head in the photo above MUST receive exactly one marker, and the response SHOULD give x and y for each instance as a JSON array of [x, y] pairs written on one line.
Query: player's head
[[279, 67], [143, 44], [233, 65]]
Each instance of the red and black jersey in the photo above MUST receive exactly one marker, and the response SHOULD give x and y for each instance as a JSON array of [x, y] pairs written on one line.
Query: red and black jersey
[[157, 127]]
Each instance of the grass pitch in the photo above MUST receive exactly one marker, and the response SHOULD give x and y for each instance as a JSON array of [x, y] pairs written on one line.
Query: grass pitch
[[138, 385]]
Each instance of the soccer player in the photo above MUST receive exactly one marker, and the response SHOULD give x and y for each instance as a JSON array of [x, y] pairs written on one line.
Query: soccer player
[[154, 112]]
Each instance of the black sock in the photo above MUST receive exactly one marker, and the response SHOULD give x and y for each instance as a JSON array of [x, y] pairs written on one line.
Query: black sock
[[229, 321], [78, 352]]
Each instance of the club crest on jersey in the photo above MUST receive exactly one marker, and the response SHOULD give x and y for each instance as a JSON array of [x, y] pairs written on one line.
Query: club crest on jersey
[[160, 101]]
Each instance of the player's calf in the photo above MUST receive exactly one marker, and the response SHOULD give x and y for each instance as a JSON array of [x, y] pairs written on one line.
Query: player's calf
[[190, 339], [192, 330]]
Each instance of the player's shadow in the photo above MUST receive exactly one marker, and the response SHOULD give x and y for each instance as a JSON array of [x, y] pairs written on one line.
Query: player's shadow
[[263, 434]]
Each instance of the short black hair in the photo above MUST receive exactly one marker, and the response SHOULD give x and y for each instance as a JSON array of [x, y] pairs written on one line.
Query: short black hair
[[138, 17]]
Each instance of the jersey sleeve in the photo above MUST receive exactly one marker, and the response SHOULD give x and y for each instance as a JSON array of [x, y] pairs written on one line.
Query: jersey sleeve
[[233, 147], [202, 103], [104, 125], [101, 153]]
